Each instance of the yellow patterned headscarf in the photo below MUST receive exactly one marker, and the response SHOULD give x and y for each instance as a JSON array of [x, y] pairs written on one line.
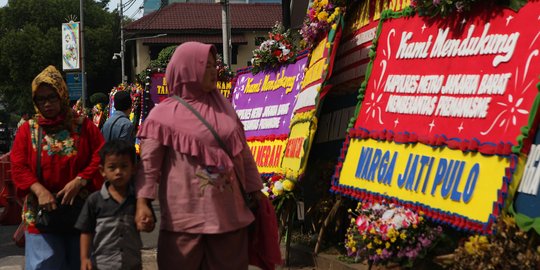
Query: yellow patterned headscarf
[[52, 77]]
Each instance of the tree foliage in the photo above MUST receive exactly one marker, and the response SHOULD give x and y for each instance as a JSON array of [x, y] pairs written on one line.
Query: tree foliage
[[30, 40], [162, 61]]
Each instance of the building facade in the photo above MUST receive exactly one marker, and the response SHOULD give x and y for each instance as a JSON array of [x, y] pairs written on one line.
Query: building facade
[[153, 5], [181, 22]]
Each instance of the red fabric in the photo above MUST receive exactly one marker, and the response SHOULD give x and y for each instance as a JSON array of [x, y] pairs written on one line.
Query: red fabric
[[44, 122], [264, 251], [57, 170]]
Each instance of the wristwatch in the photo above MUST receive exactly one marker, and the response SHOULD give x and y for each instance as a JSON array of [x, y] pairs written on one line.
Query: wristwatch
[[83, 181]]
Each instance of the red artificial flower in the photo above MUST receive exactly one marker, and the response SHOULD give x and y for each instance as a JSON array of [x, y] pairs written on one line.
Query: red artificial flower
[[276, 177]]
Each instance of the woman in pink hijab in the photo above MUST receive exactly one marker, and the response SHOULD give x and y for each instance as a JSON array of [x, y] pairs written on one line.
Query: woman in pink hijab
[[204, 217]]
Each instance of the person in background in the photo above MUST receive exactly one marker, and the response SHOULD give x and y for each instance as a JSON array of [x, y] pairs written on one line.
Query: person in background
[[69, 165], [118, 126], [204, 217], [109, 237]]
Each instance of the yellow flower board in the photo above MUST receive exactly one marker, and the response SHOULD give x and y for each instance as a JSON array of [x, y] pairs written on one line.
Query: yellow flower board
[[268, 154], [298, 145], [465, 184]]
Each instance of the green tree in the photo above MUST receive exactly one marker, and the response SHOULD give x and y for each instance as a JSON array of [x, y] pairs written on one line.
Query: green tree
[[162, 61], [30, 40]]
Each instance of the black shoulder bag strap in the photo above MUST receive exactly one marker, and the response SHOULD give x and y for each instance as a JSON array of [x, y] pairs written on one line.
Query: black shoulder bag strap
[[38, 153], [218, 139]]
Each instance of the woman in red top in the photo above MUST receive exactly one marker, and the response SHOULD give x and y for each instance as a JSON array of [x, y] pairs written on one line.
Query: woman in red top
[[69, 165]]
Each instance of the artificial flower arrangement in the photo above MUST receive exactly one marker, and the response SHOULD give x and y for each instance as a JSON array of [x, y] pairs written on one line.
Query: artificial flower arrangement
[[321, 16], [507, 248], [99, 113], [225, 74], [279, 49], [386, 233], [277, 186], [444, 8]]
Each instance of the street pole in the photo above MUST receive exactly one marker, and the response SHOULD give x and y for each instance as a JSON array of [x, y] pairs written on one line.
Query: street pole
[[83, 70], [226, 29], [122, 51], [286, 13], [122, 45]]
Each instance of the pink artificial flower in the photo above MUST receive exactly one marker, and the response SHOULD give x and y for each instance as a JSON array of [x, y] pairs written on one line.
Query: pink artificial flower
[[362, 224], [383, 230]]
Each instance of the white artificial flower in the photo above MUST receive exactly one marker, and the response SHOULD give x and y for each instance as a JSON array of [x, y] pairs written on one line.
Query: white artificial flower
[[278, 185], [286, 51], [388, 214], [377, 207]]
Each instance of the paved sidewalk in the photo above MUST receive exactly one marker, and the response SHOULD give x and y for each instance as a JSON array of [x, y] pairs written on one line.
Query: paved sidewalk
[[12, 257]]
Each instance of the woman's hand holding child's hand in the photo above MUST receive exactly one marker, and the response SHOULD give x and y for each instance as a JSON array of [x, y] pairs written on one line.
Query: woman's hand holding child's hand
[[143, 216]]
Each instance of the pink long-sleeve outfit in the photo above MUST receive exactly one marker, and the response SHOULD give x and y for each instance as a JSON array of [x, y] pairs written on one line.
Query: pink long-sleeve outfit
[[204, 217], [188, 203]]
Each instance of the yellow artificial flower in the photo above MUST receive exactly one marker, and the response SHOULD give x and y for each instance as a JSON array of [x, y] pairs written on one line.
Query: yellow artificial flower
[[387, 245], [334, 26], [379, 251], [476, 244], [323, 3], [392, 233], [277, 191], [322, 16], [369, 246], [403, 235], [288, 185], [330, 19]]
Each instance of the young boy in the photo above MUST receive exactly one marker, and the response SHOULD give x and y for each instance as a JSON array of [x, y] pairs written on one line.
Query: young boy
[[109, 237]]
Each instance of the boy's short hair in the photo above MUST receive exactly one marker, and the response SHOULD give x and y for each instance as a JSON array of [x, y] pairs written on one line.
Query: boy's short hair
[[119, 148], [122, 100]]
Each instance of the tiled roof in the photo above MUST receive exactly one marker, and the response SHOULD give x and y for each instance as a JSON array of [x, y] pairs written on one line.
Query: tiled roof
[[209, 39], [207, 16]]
